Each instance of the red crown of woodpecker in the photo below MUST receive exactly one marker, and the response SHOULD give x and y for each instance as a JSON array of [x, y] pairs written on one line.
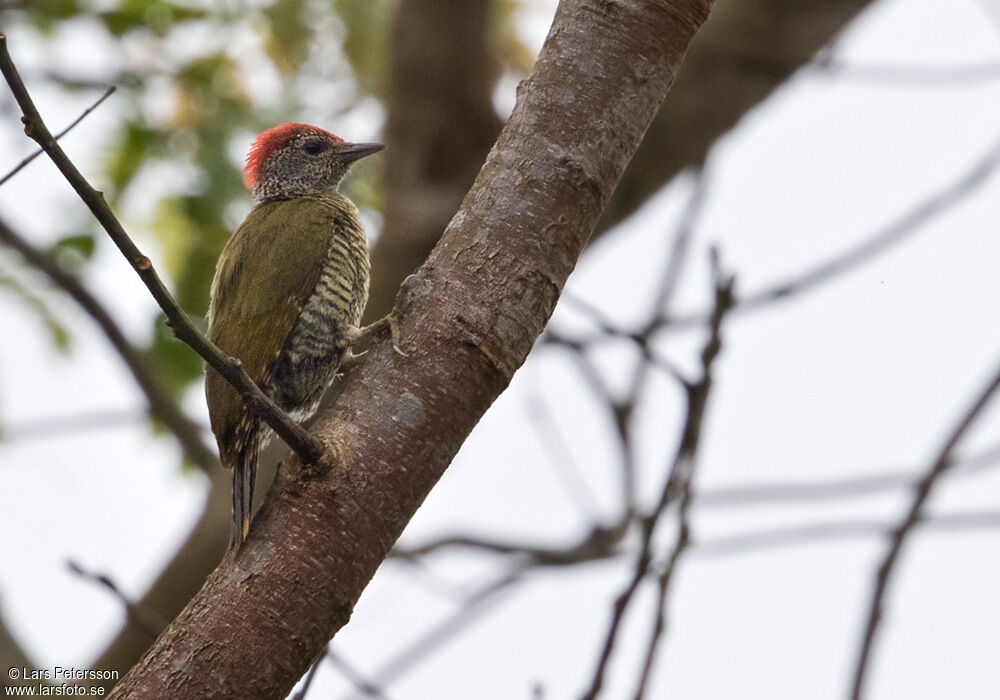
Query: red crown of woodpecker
[[275, 139]]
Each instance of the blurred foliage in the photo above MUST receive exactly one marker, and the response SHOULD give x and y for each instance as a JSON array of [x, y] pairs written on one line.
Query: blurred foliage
[[157, 17], [288, 25], [71, 252], [196, 80], [366, 40], [37, 304], [512, 53]]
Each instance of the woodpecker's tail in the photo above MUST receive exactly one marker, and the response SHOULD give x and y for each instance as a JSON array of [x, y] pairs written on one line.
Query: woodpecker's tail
[[244, 476]]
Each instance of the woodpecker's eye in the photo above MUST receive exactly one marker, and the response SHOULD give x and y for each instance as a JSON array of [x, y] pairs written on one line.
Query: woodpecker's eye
[[314, 147]]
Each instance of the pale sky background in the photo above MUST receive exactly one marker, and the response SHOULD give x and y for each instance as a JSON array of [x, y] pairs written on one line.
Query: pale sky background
[[866, 373]]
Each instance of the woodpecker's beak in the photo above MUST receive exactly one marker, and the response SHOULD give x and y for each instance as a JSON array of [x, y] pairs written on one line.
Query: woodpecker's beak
[[351, 152]]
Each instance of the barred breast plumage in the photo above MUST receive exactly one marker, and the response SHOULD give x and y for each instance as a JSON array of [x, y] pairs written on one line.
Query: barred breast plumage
[[317, 342]]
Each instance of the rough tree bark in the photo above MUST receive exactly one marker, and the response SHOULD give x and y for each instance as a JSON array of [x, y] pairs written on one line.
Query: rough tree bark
[[468, 319]]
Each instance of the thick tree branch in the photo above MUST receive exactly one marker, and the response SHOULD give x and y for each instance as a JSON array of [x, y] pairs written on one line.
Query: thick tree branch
[[161, 404], [231, 369], [468, 319]]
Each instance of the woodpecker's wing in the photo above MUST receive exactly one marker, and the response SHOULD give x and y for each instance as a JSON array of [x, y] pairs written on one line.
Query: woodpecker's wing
[[265, 275]]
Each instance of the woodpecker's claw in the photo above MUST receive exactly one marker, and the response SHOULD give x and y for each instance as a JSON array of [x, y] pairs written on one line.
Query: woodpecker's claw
[[394, 336]]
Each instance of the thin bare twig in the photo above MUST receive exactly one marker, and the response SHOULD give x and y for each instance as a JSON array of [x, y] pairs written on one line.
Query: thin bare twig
[[873, 245], [310, 677], [795, 493], [600, 543], [599, 546], [50, 426], [766, 540], [309, 448], [547, 429], [673, 267], [877, 243], [824, 65], [942, 462], [680, 470], [471, 610], [620, 414], [682, 242], [20, 166], [682, 476], [899, 75], [682, 543], [141, 615], [161, 404], [363, 685]]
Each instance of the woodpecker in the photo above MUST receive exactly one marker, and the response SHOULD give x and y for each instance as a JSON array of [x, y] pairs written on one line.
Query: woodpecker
[[289, 290]]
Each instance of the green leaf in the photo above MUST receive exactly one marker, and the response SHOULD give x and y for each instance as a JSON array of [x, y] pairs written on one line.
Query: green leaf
[[134, 145], [72, 251]]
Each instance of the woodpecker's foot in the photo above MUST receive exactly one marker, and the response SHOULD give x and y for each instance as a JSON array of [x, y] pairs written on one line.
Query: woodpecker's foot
[[356, 335]]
